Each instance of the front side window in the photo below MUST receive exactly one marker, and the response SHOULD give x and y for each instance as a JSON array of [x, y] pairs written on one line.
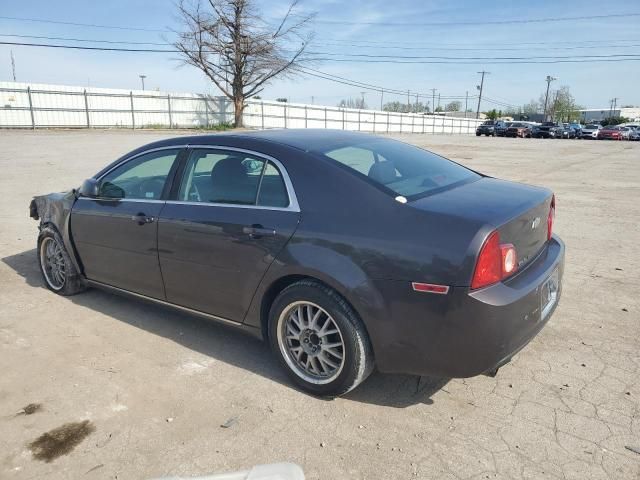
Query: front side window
[[142, 178], [404, 169], [219, 176]]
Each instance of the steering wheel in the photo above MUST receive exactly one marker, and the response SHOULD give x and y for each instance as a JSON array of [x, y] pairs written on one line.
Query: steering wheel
[[151, 186]]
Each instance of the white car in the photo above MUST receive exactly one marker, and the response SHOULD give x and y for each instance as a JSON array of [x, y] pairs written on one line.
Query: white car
[[591, 131]]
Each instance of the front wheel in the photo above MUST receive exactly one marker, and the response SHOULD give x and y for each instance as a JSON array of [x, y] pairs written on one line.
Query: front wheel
[[58, 271], [319, 339]]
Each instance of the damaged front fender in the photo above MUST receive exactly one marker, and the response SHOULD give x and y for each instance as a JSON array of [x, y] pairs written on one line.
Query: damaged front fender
[[55, 209]]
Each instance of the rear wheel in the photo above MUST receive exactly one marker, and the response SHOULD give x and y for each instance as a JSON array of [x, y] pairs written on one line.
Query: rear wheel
[[58, 271], [319, 339]]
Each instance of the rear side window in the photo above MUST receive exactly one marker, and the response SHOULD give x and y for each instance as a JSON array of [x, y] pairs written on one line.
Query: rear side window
[[401, 168], [218, 176]]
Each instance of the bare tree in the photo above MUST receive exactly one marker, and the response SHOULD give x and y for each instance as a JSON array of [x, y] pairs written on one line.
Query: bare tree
[[239, 52]]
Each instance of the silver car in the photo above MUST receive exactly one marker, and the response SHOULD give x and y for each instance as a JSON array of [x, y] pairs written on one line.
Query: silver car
[[591, 131]]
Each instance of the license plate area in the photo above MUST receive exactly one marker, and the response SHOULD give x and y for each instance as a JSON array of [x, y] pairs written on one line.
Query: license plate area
[[549, 294]]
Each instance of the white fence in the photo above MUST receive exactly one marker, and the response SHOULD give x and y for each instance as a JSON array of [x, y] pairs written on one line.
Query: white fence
[[25, 105]]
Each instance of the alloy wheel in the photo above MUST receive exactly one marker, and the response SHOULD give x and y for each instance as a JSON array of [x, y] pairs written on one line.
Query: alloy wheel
[[311, 342], [53, 263]]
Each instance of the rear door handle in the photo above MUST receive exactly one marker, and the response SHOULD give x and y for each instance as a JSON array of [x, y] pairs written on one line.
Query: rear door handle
[[142, 219], [258, 231]]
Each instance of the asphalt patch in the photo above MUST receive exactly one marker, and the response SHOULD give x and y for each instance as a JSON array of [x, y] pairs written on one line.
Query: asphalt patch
[[60, 441]]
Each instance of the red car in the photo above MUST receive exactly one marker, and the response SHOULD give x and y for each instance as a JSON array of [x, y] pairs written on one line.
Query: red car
[[610, 133]]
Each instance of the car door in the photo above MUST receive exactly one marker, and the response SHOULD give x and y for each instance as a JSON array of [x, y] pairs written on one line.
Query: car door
[[115, 233], [228, 218]]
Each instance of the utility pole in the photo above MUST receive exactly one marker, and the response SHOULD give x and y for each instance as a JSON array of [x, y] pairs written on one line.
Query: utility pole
[[381, 99], [13, 66], [416, 109], [142, 77], [480, 87], [312, 100], [466, 100], [433, 100], [408, 101], [615, 104], [549, 79], [362, 104], [438, 100]]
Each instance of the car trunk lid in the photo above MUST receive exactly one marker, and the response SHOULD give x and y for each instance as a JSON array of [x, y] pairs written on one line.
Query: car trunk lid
[[519, 212]]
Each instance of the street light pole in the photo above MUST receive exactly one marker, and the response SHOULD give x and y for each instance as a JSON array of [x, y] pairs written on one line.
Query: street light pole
[[142, 77], [549, 79]]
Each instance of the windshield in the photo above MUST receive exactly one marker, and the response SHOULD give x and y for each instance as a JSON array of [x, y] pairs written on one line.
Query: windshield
[[593, 127], [401, 168], [488, 122]]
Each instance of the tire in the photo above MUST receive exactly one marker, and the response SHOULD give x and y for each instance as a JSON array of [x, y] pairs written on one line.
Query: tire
[[477, 134], [303, 356], [58, 271]]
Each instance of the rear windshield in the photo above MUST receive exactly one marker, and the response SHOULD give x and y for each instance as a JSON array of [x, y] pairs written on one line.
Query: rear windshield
[[401, 168]]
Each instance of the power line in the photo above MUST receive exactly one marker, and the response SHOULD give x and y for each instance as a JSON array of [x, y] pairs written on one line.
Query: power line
[[80, 47], [402, 47], [442, 57], [77, 24], [480, 61], [490, 22], [436, 60], [403, 42], [492, 48], [120, 42]]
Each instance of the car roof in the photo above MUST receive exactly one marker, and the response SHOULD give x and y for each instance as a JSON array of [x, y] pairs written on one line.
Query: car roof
[[304, 139]]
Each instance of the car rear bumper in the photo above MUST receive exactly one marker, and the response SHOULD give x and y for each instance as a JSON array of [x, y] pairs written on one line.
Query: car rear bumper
[[466, 333]]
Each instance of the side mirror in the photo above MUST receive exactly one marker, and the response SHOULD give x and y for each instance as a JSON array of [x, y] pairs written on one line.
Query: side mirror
[[90, 188]]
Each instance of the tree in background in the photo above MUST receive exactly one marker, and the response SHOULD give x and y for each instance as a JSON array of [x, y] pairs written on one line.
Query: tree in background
[[614, 121], [401, 107], [353, 103], [236, 49], [454, 106], [491, 114], [564, 107], [281, 99]]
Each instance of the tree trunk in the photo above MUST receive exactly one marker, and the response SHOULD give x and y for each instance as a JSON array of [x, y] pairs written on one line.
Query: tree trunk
[[238, 108]]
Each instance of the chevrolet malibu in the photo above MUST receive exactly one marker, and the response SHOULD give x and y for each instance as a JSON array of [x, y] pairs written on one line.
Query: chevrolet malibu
[[344, 251]]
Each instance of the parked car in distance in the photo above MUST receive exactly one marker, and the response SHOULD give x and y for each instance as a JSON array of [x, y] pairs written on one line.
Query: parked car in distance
[[625, 131], [611, 132], [487, 128], [518, 129], [577, 128], [567, 131], [548, 130], [501, 128], [590, 131], [344, 250], [634, 134]]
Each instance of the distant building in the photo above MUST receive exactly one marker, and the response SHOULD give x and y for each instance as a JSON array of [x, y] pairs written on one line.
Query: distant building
[[599, 114]]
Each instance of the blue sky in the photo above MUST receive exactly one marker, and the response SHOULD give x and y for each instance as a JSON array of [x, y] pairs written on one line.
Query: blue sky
[[592, 84]]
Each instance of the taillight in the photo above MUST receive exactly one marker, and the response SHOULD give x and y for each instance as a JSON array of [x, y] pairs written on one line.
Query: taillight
[[550, 217], [496, 261]]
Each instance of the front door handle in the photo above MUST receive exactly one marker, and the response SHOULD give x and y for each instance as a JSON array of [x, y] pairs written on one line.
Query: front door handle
[[142, 219], [258, 231]]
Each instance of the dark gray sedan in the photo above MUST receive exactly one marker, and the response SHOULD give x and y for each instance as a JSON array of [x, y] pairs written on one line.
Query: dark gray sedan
[[345, 251]]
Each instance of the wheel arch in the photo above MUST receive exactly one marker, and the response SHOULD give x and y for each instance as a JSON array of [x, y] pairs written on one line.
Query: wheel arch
[[279, 284]]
